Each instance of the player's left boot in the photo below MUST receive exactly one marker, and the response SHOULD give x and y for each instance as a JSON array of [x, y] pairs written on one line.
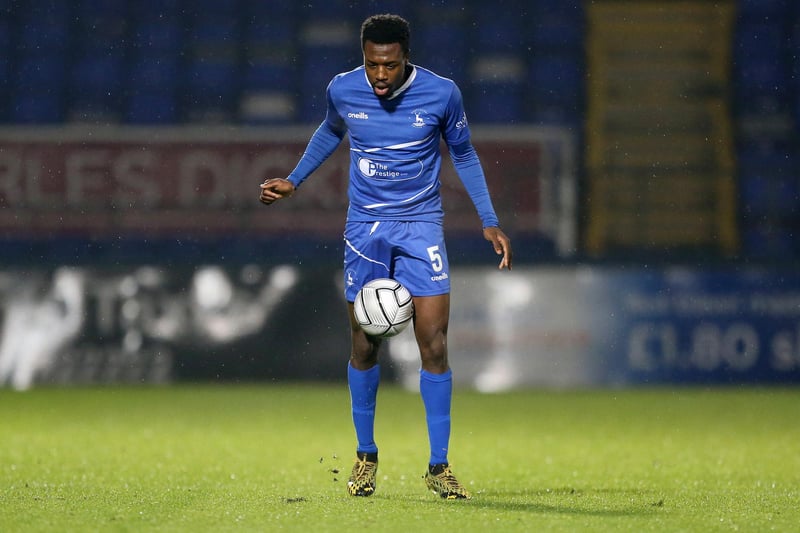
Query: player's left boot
[[440, 479], [362, 479]]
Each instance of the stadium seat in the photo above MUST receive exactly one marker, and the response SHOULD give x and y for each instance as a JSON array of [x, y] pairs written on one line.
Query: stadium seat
[[761, 71], [223, 29], [556, 79], [759, 10], [320, 66], [44, 11], [213, 68], [454, 66], [97, 74], [497, 30], [452, 11], [555, 33], [401, 7], [99, 26], [153, 71], [555, 90], [101, 8], [326, 48], [50, 35], [762, 74], [270, 75], [268, 92], [38, 71], [769, 182], [151, 106], [165, 10], [757, 40], [538, 9], [762, 83], [159, 36], [270, 71], [770, 195], [266, 11], [95, 88], [768, 240], [495, 88], [431, 37], [327, 10], [270, 52], [6, 72], [221, 76], [214, 38], [259, 34], [5, 88], [267, 26], [82, 109], [6, 37], [40, 107], [259, 107], [211, 90], [212, 9], [38, 80], [494, 103]]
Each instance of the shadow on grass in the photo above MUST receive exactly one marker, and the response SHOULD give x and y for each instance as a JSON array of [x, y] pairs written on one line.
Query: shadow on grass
[[567, 501]]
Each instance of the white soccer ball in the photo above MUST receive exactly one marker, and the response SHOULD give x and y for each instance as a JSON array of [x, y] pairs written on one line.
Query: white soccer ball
[[383, 307]]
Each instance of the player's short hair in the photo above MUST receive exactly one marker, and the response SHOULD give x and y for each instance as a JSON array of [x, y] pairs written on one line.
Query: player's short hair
[[386, 29]]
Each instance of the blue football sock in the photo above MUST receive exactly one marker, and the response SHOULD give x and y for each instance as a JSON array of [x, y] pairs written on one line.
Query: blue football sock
[[437, 392], [363, 394]]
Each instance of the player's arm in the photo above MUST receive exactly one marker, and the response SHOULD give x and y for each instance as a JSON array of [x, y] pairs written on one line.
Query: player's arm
[[322, 144], [470, 171], [455, 129]]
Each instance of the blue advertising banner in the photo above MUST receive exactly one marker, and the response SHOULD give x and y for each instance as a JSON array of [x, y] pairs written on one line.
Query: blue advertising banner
[[572, 326], [735, 326], [545, 326]]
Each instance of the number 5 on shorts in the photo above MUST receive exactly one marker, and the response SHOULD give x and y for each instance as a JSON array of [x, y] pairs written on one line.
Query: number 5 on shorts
[[436, 258]]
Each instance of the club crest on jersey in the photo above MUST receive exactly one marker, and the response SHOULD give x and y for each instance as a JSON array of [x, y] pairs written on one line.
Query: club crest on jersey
[[419, 119]]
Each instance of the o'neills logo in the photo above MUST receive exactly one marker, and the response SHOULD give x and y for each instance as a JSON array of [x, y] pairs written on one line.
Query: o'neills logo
[[441, 277], [360, 115]]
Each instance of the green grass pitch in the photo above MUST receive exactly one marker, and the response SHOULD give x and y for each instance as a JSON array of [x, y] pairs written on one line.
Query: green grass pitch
[[276, 457]]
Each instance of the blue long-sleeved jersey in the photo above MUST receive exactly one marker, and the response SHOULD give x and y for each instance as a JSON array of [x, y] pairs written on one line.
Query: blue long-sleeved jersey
[[395, 147]]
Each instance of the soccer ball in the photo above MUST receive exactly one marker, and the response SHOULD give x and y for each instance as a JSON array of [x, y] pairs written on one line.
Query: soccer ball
[[383, 307]]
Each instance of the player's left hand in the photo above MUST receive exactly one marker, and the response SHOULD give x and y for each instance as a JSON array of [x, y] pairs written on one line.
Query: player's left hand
[[501, 244]]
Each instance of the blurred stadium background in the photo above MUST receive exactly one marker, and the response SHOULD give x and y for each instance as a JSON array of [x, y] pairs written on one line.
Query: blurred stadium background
[[642, 156]]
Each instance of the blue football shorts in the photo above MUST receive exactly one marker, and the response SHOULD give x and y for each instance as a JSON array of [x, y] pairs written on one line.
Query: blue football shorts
[[412, 253]]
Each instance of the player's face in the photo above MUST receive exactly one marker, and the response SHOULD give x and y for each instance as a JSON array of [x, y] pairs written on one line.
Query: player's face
[[386, 67]]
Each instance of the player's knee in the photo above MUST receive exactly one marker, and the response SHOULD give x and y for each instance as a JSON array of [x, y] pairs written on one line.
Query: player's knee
[[435, 365], [364, 350], [433, 358]]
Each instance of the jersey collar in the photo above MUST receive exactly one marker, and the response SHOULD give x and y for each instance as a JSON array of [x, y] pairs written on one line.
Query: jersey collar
[[400, 90]]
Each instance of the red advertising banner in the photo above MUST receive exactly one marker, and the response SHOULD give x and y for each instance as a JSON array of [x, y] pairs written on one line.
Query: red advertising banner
[[134, 183]]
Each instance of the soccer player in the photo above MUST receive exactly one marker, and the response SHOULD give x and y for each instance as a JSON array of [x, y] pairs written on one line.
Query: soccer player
[[395, 114]]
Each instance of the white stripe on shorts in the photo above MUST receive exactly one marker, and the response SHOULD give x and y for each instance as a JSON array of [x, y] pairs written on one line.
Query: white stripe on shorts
[[362, 256]]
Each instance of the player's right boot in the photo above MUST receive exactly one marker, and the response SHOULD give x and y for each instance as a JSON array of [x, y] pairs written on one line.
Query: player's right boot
[[362, 479]]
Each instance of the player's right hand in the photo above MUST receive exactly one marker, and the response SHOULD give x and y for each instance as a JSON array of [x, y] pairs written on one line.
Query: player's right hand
[[275, 189]]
